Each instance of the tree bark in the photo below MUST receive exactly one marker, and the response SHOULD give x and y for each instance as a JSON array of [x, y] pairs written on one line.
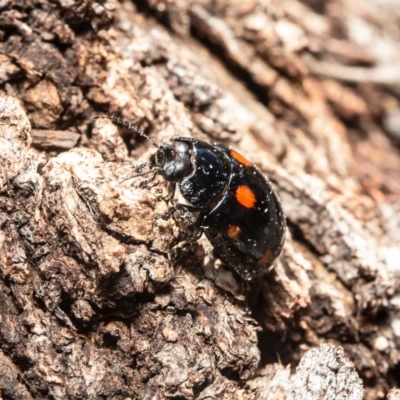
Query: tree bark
[[92, 305]]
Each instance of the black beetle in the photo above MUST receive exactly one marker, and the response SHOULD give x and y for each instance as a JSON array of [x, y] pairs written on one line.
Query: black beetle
[[240, 212]]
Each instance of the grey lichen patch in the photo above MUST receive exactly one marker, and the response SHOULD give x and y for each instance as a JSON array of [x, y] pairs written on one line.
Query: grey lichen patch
[[323, 373], [394, 394], [328, 374]]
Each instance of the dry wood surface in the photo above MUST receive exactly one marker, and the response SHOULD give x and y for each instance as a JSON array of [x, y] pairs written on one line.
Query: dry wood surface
[[92, 306]]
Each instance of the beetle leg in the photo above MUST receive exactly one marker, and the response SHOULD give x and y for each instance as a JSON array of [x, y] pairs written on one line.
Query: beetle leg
[[175, 250], [139, 170], [189, 242], [171, 192], [146, 182], [176, 207], [199, 229]]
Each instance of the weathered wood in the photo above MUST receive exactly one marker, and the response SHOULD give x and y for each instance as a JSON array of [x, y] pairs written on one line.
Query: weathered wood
[[91, 303], [51, 139]]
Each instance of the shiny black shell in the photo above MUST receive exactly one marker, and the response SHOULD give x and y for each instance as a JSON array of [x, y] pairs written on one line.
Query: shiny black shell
[[240, 212]]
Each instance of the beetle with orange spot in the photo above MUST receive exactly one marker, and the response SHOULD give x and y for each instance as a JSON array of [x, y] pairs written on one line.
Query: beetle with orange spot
[[239, 211]]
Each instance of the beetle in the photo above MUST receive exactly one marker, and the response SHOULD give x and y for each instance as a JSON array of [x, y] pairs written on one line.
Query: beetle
[[239, 211]]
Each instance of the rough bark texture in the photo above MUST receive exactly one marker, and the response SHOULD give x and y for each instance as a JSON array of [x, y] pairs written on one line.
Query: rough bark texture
[[91, 304]]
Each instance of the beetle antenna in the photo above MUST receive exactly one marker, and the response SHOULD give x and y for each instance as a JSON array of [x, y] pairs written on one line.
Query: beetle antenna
[[143, 174], [120, 121]]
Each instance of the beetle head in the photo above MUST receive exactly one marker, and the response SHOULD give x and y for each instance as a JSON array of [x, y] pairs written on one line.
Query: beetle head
[[173, 159]]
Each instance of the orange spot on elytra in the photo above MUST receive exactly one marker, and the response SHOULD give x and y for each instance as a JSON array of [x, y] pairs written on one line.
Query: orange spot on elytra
[[238, 157], [266, 258], [234, 231], [245, 196]]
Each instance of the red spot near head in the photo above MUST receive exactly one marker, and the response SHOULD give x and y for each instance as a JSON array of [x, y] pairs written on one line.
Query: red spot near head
[[238, 157], [234, 231], [245, 196], [266, 258]]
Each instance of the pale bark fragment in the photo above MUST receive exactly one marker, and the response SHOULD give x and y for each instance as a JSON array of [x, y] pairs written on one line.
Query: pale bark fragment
[[323, 373]]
